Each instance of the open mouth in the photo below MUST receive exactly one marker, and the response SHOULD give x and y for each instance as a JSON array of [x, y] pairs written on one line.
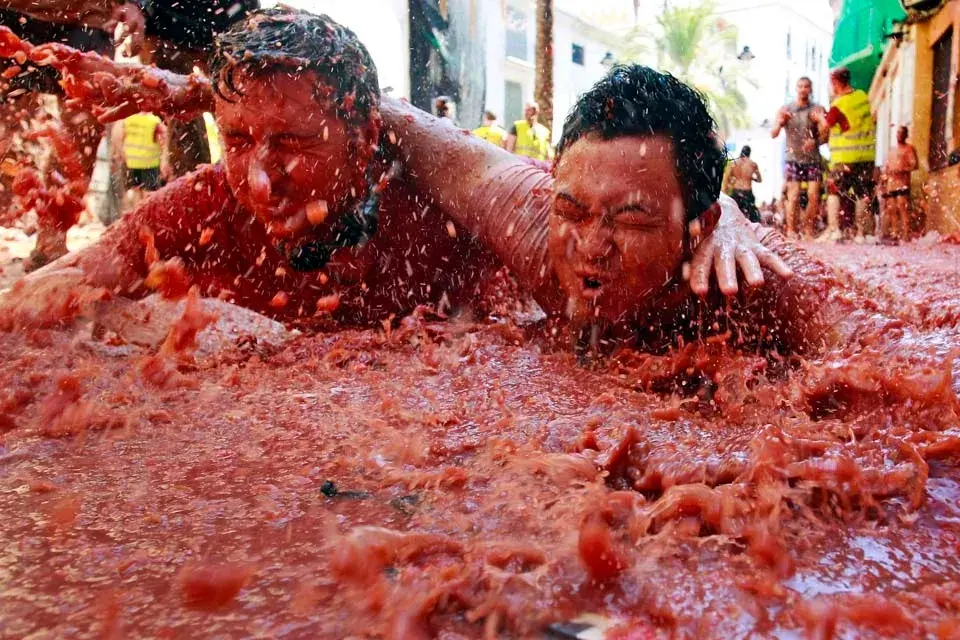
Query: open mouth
[[591, 286]]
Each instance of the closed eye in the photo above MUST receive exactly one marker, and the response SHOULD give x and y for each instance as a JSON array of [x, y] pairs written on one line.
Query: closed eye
[[636, 216], [569, 209], [290, 141]]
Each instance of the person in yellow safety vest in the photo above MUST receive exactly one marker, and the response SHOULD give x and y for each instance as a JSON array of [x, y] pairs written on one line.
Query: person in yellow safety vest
[[213, 138], [851, 130], [142, 138], [491, 131], [528, 137]]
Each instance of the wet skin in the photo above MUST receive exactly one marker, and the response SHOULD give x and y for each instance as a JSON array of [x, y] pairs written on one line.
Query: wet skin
[[282, 153], [617, 225]]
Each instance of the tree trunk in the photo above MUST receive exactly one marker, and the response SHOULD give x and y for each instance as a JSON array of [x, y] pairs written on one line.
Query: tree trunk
[[543, 80]]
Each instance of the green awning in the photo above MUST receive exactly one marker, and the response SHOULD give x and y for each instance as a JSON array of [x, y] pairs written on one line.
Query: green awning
[[859, 39]]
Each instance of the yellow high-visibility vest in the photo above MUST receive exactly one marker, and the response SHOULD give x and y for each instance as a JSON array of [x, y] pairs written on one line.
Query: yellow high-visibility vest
[[494, 135], [532, 142], [859, 142], [213, 138], [140, 144]]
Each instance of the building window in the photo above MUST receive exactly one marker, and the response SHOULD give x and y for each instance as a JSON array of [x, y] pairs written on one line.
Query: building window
[[517, 28], [789, 47], [513, 104], [578, 55], [941, 99]]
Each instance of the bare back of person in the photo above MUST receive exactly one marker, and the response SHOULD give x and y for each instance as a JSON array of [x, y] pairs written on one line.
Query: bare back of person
[[742, 173]]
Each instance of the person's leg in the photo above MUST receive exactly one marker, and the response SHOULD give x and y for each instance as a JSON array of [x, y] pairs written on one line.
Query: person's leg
[[83, 132], [903, 215], [834, 214], [813, 208], [863, 190], [887, 215], [793, 207], [15, 116]]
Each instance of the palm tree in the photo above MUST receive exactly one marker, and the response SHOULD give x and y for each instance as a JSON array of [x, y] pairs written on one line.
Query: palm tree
[[543, 74], [700, 48]]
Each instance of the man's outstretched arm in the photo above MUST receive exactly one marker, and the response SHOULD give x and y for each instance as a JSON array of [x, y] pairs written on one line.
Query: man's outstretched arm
[[118, 265], [505, 203], [500, 199], [112, 90]]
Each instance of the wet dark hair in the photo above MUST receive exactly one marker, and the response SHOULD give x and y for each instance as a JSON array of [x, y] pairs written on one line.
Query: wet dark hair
[[292, 41], [633, 100], [745, 152]]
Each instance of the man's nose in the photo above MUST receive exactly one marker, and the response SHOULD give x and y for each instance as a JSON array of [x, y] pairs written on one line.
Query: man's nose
[[596, 243], [262, 176]]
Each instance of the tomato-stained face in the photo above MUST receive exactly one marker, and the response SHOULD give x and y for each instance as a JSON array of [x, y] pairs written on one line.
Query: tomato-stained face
[[291, 162], [617, 227]]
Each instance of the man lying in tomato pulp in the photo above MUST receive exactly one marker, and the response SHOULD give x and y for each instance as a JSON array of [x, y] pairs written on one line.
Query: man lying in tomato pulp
[[303, 216]]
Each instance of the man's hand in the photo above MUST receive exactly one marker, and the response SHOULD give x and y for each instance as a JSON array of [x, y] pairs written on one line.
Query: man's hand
[[784, 116], [132, 23], [731, 243]]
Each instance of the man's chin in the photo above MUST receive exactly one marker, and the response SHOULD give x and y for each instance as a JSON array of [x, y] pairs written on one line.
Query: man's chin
[[307, 254]]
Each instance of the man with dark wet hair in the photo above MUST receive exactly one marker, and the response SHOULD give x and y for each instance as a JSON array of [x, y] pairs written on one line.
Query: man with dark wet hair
[[604, 239], [302, 216]]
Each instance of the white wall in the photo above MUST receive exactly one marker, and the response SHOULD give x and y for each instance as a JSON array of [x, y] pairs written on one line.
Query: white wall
[[764, 28], [895, 108], [569, 79], [382, 25]]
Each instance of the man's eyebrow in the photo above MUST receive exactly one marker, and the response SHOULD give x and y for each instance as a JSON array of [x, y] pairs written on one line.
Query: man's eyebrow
[[563, 195]]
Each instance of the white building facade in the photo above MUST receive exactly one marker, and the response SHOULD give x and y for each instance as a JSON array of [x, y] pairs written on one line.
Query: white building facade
[[580, 52]]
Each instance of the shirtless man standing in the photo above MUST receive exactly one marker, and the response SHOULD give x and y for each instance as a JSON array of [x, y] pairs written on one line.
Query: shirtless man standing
[[896, 187], [803, 163], [739, 181]]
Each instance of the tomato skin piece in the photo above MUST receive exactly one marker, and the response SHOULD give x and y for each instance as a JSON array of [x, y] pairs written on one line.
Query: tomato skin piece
[[598, 552], [211, 586]]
